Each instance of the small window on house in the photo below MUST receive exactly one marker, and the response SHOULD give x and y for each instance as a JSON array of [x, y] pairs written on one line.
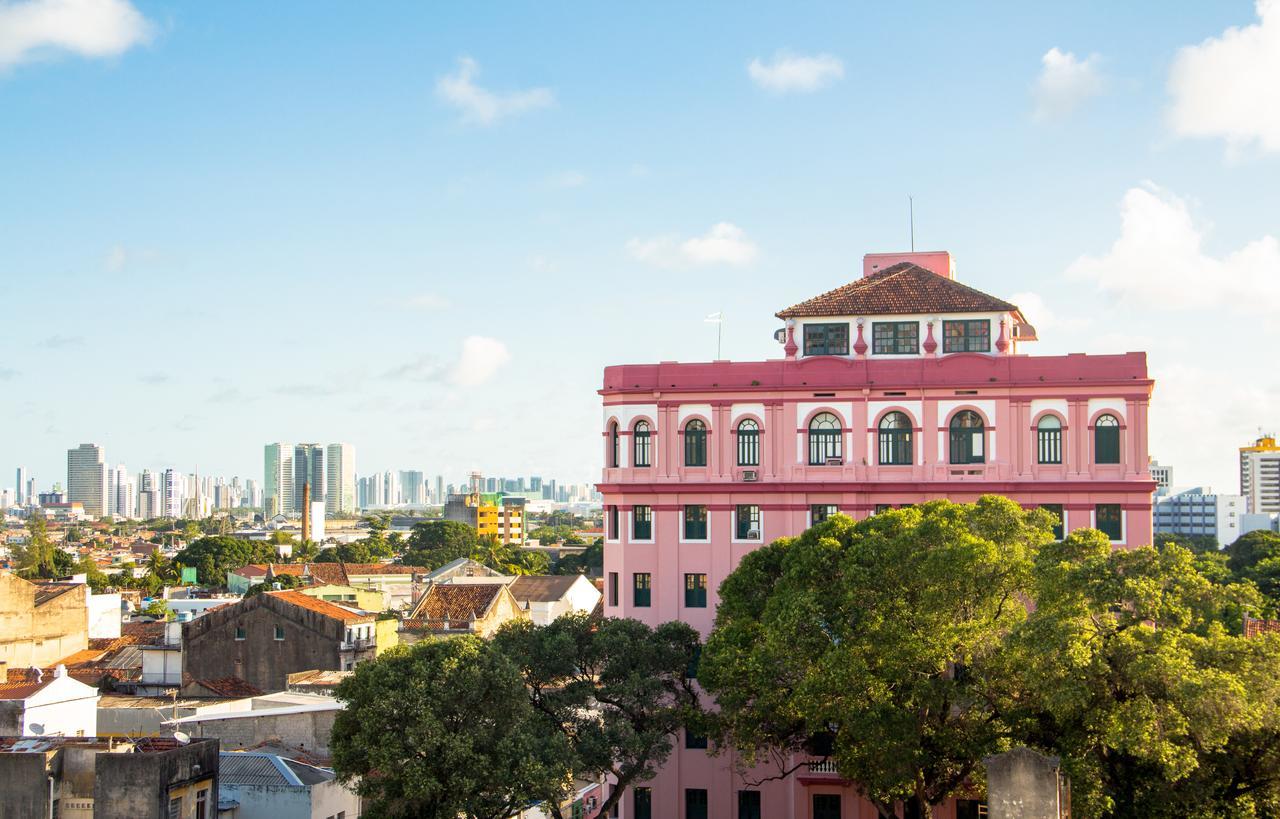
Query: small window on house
[[826, 339], [695, 443], [279, 632], [748, 804], [967, 437], [1109, 520], [895, 440], [695, 803], [641, 444], [1049, 440], [821, 511], [882, 507], [1106, 440], [1055, 509], [747, 521], [748, 443], [824, 439], [641, 589], [202, 804], [613, 444], [966, 336], [895, 337], [695, 591], [694, 742], [641, 523], [613, 588], [175, 808], [613, 522], [642, 803], [240, 632], [695, 522]]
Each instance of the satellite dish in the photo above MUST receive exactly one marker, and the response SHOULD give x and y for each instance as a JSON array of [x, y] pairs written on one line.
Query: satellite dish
[[36, 728], [182, 737]]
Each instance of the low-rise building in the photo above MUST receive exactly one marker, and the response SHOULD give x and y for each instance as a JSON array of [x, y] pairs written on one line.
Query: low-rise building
[[40, 623], [461, 608], [264, 638], [269, 786], [546, 597], [1200, 512], [51, 705], [302, 724], [104, 778]]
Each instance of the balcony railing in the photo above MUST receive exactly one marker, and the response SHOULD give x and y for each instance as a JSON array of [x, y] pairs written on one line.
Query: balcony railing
[[362, 644], [826, 767]]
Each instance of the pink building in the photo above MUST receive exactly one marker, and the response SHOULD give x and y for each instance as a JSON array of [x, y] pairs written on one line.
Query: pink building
[[898, 388]]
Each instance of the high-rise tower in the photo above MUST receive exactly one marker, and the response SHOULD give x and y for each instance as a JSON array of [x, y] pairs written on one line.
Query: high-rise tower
[[87, 479]]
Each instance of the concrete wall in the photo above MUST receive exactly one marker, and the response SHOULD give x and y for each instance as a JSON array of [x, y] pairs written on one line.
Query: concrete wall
[[309, 731], [23, 788], [104, 615], [140, 785], [40, 636], [1023, 784], [270, 801]]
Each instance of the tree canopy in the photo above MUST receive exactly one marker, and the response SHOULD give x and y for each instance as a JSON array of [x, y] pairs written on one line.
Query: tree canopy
[[443, 729], [213, 556], [433, 543], [40, 557]]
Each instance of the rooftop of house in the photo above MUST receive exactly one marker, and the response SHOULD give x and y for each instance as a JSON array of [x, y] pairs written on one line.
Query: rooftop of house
[[1254, 627], [456, 603], [542, 588], [904, 288], [252, 768], [230, 687], [137, 745], [324, 607]]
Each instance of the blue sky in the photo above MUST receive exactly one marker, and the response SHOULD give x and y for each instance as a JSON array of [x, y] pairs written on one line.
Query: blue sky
[[425, 230]]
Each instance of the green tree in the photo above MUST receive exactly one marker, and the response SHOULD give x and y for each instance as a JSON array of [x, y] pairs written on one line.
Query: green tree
[[377, 543], [1255, 556], [1131, 668], [215, 555], [874, 643], [162, 568], [286, 581], [589, 561], [157, 609], [434, 543], [443, 729], [95, 577], [40, 557], [617, 691]]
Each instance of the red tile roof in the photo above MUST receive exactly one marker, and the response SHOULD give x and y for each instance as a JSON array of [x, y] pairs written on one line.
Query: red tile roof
[[231, 687], [899, 289], [380, 568], [462, 602], [1253, 628], [324, 607]]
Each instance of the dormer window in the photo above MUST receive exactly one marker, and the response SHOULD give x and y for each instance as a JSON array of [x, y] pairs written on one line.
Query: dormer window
[[966, 336], [895, 337], [826, 339]]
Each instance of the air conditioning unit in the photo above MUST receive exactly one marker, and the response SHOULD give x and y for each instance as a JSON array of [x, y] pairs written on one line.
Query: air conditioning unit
[[835, 461], [753, 534], [750, 475]]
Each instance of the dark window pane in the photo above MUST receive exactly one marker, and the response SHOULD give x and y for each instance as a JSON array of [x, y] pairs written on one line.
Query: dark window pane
[[825, 438], [613, 588], [695, 591], [695, 522], [1056, 510], [613, 522], [642, 523], [748, 804], [642, 803], [820, 512], [895, 440], [1106, 440], [642, 445], [967, 438], [695, 803], [747, 521], [826, 339], [966, 336], [826, 806], [748, 443], [695, 443], [1049, 440], [642, 587], [895, 337], [694, 742], [1108, 520]]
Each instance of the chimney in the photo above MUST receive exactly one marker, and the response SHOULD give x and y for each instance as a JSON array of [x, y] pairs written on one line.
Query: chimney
[[935, 261]]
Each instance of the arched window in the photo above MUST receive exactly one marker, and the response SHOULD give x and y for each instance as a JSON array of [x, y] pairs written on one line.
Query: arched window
[[695, 443], [1106, 440], [824, 439], [748, 443], [641, 445], [967, 438], [895, 440], [613, 444], [1049, 440]]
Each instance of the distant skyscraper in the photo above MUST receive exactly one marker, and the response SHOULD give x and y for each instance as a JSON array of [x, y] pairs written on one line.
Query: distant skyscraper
[[340, 479], [308, 468], [413, 488], [21, 488], [1162, 475], [171, 493], [439, 497], [277, 479], [120, 491], [391, 489], [87, 479], [1260, 475]]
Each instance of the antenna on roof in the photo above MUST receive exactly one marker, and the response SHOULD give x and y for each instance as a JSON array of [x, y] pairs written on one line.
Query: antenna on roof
[[911, 209]]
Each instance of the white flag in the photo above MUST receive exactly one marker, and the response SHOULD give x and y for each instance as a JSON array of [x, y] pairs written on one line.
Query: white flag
[[714, 318]]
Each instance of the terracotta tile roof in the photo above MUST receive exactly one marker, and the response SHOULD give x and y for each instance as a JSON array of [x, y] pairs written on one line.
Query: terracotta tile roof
[[330, 573], [251, 570], [417, 624], [46, 591], [324, 607], [541, 588], [22, 690], [899, 289], [142, 634], [457, 603], [380, 568], [1253, 628], [233, 687]]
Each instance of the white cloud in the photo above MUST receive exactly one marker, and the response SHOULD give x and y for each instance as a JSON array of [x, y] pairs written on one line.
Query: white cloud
[[429, 301], [482, 106], [481, 358], [793, 72], [1065, 82], [1226, 86], [1159, 260], [724, 243], [89, 28]]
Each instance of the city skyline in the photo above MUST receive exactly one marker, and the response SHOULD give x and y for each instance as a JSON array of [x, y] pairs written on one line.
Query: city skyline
[[497, 222]]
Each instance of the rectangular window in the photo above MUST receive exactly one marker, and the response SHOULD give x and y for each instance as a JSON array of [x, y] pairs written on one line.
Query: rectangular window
[[641, 589], [240, 633], [748, 443], [748, 521], [1049, 445], [826, 339], [966, 336], [613, 588], [882, 507], [1055, 509], [820, 512], [1108, 519], [826, 806], [748, 804], [202, 804], [695, 522], [695, 803], [175, 808], [642, 803], [641, 445], [1106, 444], [694, 742], [279, 632], [695, 591], [641, 523], [613, 522], [895, 337]]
